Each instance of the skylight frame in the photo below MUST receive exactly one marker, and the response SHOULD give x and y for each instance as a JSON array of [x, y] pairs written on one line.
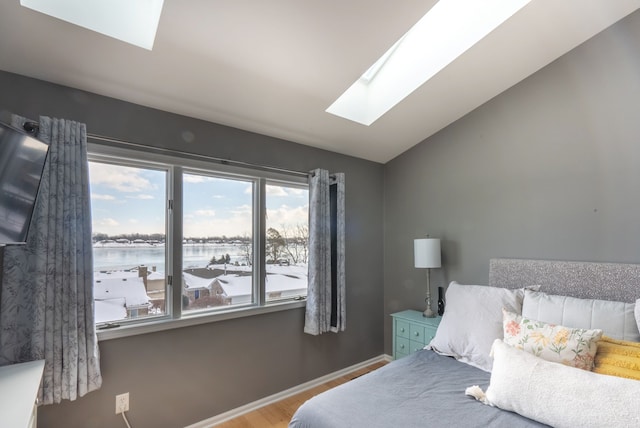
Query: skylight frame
[[131, 21], [448, 30]]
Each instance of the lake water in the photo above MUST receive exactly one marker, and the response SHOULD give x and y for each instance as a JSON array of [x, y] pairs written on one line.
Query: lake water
[[123, 256]]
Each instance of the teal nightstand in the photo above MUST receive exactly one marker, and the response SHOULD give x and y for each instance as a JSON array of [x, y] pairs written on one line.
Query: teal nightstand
[[411, 332]]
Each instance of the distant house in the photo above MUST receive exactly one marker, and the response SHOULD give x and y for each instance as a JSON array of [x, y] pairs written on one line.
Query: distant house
[[119, 297], [110, 310], [285, 286], [156, 286], [237, 289], [127, 293], [153, 280], [195, 287], [216, 286]]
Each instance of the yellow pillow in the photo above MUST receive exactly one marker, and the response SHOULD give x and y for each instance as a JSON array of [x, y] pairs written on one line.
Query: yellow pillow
[[618, 358]]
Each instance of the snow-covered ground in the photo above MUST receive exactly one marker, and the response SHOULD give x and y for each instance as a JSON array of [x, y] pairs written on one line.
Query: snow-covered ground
[[118, 290]]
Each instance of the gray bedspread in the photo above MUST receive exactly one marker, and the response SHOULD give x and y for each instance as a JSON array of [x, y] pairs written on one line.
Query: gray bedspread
[[422, 390]]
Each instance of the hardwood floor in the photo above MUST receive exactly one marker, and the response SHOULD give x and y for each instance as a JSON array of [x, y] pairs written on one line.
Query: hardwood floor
[[279, 414]]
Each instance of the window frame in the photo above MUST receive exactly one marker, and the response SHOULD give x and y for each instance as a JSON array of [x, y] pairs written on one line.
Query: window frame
[[176, 165]]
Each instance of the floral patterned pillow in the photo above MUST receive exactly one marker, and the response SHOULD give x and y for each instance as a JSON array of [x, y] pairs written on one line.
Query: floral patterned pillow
[[570, 346]]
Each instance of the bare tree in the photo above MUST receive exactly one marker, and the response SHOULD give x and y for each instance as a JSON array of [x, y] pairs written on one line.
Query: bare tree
[[296, 243], [290, 245], [247, 249], [302, 235], [275, 244]]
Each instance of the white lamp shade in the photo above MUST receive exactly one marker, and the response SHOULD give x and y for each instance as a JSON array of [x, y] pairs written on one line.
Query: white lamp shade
[[426, 253]]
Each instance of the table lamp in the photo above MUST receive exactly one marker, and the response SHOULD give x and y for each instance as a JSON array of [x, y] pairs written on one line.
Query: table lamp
[[426, 254]]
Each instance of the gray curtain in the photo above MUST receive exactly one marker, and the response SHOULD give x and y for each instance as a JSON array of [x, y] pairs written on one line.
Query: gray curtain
[[326, 306], [46, 294]]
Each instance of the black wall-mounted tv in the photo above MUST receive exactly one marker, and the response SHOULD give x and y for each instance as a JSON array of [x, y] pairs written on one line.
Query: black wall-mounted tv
[[22, 158]]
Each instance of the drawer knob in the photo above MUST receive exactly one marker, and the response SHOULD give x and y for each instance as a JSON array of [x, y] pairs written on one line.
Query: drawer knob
[[401, 346], [416, 333], [402, 330]]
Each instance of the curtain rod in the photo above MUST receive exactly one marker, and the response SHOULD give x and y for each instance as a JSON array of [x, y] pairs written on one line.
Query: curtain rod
[[33, 127], [178, 153]]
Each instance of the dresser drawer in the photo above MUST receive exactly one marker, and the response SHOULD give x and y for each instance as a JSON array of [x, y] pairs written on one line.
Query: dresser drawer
[[403, 345], [403, 329], [416, 333], [399, 355], [429, 334], [415, 346]]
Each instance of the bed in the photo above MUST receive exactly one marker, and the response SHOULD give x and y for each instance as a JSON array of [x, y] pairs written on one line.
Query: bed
[[524, 386]]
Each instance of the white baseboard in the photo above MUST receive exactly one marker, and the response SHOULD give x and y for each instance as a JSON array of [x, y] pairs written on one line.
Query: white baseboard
[[238, 411]]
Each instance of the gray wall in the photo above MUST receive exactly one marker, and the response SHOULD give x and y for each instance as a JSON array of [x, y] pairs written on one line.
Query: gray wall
[[550, 169], [186, 375]]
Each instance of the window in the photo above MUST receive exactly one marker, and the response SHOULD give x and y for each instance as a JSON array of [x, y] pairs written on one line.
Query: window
[[129, 222], [241, 235], [287, 239], [217, 249]]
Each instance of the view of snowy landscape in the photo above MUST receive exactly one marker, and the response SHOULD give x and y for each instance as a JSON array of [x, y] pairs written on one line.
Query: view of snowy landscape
[[129, 241]]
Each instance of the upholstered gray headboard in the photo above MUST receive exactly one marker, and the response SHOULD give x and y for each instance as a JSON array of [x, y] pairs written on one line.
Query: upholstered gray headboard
[[606, 281]]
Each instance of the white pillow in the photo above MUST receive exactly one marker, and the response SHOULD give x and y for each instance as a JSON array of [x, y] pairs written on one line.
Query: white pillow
[[615, 319], [559, 395], [472, 321]]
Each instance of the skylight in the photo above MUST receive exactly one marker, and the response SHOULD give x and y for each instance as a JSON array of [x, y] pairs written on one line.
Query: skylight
[[132, 21], [448, 30]]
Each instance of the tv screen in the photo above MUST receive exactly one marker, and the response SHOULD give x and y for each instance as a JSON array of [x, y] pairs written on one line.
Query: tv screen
[[22, 160]]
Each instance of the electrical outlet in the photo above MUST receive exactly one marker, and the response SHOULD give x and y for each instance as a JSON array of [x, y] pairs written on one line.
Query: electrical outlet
[[122, 403]]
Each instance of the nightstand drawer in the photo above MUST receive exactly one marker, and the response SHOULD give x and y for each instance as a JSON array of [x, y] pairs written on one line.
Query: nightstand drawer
[[416, 333], [403, 345], [403, 329], [415, 346], [399, 355], [429, 334]]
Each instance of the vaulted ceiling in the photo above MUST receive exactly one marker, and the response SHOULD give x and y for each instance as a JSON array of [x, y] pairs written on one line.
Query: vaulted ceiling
[[273, 67]]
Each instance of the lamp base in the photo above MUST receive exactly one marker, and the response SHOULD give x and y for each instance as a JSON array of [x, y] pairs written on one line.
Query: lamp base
[[428, 313]]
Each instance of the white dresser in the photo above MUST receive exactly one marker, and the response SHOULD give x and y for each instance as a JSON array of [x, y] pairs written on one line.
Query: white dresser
[[19, 384]]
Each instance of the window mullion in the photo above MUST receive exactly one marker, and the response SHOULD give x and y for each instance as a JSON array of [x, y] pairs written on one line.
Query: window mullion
[[174, 233], [260, 215]]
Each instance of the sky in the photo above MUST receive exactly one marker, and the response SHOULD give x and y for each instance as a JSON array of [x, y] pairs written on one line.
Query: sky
[[132, 200]]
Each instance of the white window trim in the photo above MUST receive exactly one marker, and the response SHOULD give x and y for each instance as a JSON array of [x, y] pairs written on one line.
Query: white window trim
[[174, 317], [165, 323]]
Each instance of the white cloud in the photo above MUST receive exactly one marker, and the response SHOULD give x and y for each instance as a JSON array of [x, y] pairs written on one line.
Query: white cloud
[[287, 216], [286, 191], [105, 223], [190, 178], [243, 210], [123, 179], [141, 196], [101, 197], [205, 213], [276, 191], [208, 222], [293, 191], [248, 190], [214, 226]]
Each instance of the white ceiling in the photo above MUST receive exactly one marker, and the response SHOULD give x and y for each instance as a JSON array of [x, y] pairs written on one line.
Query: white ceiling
[[273, 67]]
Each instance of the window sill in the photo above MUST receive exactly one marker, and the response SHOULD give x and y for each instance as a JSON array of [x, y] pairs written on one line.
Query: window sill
[[127, 330]]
